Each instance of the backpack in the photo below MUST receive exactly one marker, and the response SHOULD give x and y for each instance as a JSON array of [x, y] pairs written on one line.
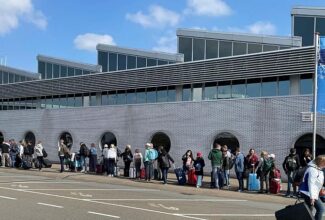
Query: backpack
[[153, 154], [86, 151], [267, 165], [291, 163], [198, 166]]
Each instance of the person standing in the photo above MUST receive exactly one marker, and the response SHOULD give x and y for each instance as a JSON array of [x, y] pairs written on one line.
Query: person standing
[[227, 163], [239, 168], [84, 153], [215, 156], [92, 158], [307, 157], [13, 152], [38, 149], [198, 166], [5, 154], [63, 152], [290, 166], [312, 184], [137, 162], [267, 165], [188, 160], [127, 158], [164, 160], [148, 162]]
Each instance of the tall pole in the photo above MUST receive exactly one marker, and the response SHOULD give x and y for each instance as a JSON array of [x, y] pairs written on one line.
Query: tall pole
[[315, 93]]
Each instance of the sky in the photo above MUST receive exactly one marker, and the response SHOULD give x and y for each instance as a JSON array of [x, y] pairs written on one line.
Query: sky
[[70, 29]]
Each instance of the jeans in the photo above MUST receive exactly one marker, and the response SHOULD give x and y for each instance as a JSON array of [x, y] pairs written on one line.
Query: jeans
[[40, 162], [318, 204], [127, 168], [92, 162], [290, 175], [110, 166], [5, 160], [164, 173], [226, 175], [149, 170], [199, 181], [137, 168], [62, 163], [240, 180], [13, 160], [83, 163], [216, 171], [264, 178]]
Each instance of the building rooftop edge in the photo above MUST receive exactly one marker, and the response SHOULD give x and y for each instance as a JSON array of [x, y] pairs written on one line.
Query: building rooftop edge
[[19, 71], [309, 11], [152, 54]]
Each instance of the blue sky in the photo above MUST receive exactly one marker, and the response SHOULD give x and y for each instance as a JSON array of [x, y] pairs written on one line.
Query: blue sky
[[70, 29]]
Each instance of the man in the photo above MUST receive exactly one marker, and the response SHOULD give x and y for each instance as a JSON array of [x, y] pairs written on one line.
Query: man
[[5, 154], [239, 168], [215, 156], [84, 153], [290, 165], [13, 151]]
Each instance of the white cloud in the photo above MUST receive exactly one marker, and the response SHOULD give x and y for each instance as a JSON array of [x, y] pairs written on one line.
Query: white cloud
[[167, 44], [208, 7], [89, 41], [12, 12], [261, 27], [156, 17]]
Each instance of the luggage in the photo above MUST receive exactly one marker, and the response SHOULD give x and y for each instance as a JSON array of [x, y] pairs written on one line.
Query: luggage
[[47, 163], [99, 169], [36, 163], [275, 185], [132, 173], [192, 178], [142, 173], [180, 175], [298, 211], [27, 164], [253, 182], [221, 179]]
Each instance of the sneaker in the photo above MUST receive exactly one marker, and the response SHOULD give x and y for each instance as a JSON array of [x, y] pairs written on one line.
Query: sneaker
[[287, 195]]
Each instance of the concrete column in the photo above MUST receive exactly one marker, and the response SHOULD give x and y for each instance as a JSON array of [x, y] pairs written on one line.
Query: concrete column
[[294, 85]]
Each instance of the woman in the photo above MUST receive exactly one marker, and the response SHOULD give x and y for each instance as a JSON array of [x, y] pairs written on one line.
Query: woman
[[137, 162], [39, 154], [93, 158], [63, 153], [307, 157], [127, 158], [188, 160], [164, 162], [312, 184]]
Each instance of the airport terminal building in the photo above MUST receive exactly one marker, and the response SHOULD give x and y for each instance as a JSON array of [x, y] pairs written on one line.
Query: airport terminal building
[[236, 89]]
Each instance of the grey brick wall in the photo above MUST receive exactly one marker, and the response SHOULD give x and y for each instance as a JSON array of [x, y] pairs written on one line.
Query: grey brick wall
[[272, 124]]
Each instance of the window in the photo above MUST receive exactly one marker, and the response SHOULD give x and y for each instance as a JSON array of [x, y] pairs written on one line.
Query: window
[[70, 71], [225, 48], [85, 72], [48, 102], [112, 61], [70, 100], [284, 85], [17, 78], [224, 90], [103, 60], [56, 101], [187, 93], [238, 89], [141, 62], [78, 101], [1, 81], [239, 48], [197, 92], [112, 98], [269, 86], [63, 101], [56, 71], [162, 94], [171, 94], [141, 96], [320, 26], [49, 71], [210, 91], [162, 62], [254, 48], [211, 49], [78, 72], [131, 62], [253, 88], [64, 71], [121, 62], [131, 97], [151, 95], [121, 97], [92, 99], [304, 27], [151, 62], [306, 84], [5, 77], [198, 49], [11, 78], [41, 69], [104, 98], [270, 48], [185, 47]]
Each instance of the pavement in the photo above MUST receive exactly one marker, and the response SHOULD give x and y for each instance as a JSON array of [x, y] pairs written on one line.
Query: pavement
[[50, 194]]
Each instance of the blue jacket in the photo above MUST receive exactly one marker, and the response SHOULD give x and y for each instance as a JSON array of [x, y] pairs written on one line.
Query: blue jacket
[[239, 163]]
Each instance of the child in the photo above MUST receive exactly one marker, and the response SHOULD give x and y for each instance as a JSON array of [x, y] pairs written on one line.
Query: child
[[198, 166]]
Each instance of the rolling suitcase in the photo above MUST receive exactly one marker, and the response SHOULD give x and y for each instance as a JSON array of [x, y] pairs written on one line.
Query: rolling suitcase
[[275, 185], [47, 163], [180, 175], [27, 164], [192, 178], [132, 173], [142, 173], [298, 211], [253, 182]]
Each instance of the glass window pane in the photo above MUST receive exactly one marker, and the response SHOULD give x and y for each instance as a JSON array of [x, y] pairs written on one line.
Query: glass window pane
[[78, 72], [104, 99], [141, 96], [5, 77], [187, 93], [162, 62], [64, 71], [17, 78], [304, 27], [49, 71], [151, 62], [306, 84], [254, 48], [171, 94], [22, 78], [225, 48], [185, 47], [284, 85], [320, 26], [269, 86], [131, 60], [211, 49], [151, 95], [85, 72], [70, 101], [238, 89], [56, 71], [269, 48], [224, 90], [103, 60], [78, 101], [131, 97], [141, 62], [253, 88], [121, 62], [70, 71], [239, 48], [210, 91], [63, 102], [41, 69], [162, 95], [48, 103], [121, 98], [198, 49], [11, 77], [112, 61], [112, 98], [1, 81], [92, 100]]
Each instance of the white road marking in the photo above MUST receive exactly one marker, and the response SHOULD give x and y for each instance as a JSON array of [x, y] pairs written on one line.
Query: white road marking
[[85, 195], [45, 204], [96, 213], [183, 200], [232, 215], [31, 182], [162, 206], [90, 189], [18, 176], [5, 197]]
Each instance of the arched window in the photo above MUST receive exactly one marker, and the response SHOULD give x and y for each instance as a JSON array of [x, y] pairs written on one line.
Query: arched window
[[306, 141], [108, 138], [30, 137], [226, 138], [161, 139], [67, 139]]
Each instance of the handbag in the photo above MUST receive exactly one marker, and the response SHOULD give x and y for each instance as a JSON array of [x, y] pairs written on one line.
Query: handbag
[[44, 153], [298, 211]]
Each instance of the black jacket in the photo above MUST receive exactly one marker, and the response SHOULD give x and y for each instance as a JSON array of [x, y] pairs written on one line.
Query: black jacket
[[164, 160], [285, 164], [198, 166]]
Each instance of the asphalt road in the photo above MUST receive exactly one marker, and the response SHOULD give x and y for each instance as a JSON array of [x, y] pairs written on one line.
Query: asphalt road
[[44, 195]]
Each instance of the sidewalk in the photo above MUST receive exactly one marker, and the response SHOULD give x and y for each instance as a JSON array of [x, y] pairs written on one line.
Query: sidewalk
[[154, 184]]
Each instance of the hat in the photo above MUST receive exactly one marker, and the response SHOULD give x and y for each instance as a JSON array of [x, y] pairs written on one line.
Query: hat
[[105, 146], [148, 145], [199, 154], [272, 156]]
